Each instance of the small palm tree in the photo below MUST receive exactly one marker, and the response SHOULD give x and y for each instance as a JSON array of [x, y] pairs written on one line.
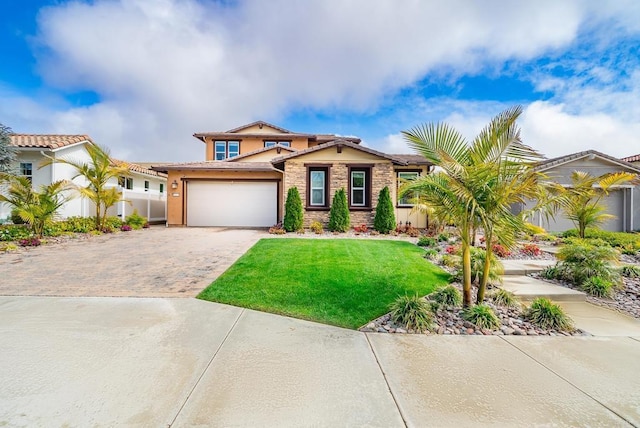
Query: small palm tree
[[37, 208], [97, 172], [582, 202]]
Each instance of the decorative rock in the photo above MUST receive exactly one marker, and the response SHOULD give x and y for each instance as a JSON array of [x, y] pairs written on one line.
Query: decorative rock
[[507, 330], [400, 330]]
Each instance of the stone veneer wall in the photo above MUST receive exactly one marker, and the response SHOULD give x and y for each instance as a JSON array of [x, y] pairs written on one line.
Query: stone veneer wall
[[296, 175]]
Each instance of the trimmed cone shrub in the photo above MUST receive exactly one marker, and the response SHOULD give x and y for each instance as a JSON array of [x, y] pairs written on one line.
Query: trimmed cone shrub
[[548, 315], [385, 219], [339, 214], [413, 312], [293, 216]]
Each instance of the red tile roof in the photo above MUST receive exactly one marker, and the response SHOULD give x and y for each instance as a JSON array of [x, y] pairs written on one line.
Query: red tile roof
[[47, 141], [634, 158]]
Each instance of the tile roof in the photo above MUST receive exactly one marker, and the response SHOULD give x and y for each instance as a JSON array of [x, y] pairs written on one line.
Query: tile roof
[[259, 122], [634, 158], [339, 142], [550, 163], [413, 159], [134, 167], [217, 166], [255, 152], [47, 141]]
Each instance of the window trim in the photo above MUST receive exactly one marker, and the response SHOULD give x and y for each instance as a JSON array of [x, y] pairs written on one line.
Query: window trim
[[326, 168], [273, 143], [227, 152], [368, 172], [418, 173]]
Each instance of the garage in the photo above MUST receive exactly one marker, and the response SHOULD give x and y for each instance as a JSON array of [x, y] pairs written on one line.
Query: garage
[[232, 203]]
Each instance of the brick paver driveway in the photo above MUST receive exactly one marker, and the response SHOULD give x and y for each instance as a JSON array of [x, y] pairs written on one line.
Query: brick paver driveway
[[159, 262]]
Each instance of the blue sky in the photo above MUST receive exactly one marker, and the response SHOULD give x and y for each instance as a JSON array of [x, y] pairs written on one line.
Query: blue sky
[[141, 76]]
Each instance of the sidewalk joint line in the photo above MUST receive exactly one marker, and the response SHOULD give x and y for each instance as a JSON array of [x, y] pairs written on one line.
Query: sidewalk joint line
[[384, 376], [215, 354], [570, 383]]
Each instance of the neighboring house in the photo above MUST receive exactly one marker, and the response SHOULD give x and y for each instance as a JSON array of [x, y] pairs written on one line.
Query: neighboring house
[[634, 160], [143, 189], [623, 203], [248, 171]]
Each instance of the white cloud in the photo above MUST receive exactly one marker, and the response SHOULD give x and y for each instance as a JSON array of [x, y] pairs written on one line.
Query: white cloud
[[164, 69]]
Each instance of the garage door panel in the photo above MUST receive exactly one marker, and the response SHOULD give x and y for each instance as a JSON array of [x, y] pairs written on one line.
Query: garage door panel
[[229, 203]]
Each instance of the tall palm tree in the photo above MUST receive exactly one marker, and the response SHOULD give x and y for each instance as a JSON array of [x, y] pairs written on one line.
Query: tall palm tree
[[36, 208], [582, 201], [97, 172], [477, 182]]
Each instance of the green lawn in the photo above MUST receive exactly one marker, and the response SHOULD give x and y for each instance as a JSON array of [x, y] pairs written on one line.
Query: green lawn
[[343, 282]]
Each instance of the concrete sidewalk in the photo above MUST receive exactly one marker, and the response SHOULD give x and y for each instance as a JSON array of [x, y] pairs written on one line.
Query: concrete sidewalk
[[184, 362]]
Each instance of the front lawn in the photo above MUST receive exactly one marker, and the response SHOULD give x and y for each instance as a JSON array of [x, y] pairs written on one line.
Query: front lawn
[[343, 282]]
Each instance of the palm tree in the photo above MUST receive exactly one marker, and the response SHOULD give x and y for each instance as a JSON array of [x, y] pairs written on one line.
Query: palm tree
[[477, 182], [97, 172], [582, 200], [37, 208]]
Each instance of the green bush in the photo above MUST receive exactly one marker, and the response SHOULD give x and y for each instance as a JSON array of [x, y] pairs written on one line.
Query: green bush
[[482, 316], [502, 297], [431, 253], [14, 232], [413, 312], [615, 239], [135, 220], [316, 227], [339, 214], [113, 223], [478, 256], [426, 241], [597, 286], [15, 217], [385, 219], [447, 296], [548, 315], [293, 215], [629, 271], [443, 237], [578, 262], [551, 272], [451, 260], [78, 224]]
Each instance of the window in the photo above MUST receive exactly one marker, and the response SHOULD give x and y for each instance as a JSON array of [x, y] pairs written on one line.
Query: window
[[225, 149], [125, 182], [318, 187], [26, 170], [161, 187], [272, 143], [146, 185], [360, 187], [404, 176]]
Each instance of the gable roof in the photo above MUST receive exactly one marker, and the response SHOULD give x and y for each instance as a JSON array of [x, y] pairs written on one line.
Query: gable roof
[[339, 142], [259, 123], [413, 159], [134, 167], [550, 163], [258, 151], [634, 158], [47, 141], [217, 166]]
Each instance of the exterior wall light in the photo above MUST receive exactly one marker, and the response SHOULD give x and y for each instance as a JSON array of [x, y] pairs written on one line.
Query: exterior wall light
[[174, 184]]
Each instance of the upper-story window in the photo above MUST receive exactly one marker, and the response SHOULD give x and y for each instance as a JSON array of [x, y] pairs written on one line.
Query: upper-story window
[[125, 182], [272, 143], [146, 185], [26, 170], [404, 176], [225, 149], [161, 187]]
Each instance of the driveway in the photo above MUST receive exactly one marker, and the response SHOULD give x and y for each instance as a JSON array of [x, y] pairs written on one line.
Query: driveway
[[186, 362], [158, 262]]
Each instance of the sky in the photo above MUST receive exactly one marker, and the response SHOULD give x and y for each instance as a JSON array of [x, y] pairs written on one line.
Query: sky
[[141, 76]]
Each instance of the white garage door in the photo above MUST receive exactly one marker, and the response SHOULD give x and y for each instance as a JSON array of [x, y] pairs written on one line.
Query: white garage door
[[232, 203]]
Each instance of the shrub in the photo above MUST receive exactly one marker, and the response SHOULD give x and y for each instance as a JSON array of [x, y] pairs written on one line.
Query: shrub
[[452, 249], [135, 220], [615, 239], [15, 217], [551, 272], [293, 215], [426, 241], [431, 253], [532, 229], [30, 242], [413, 312], [482, 316], [8, 247], [447, 296], [630, 271], [531, 250], [597, 287], [443, 237], [112, 222], [478, 256], [502, 297], [582, 261], [414, 232], [126, 228], [548, 315], [451, 260], [500, 251], [277, 229], [316, 227], [360, 229], [339, 214], [385, 219], [79, 224], [13, 232]]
